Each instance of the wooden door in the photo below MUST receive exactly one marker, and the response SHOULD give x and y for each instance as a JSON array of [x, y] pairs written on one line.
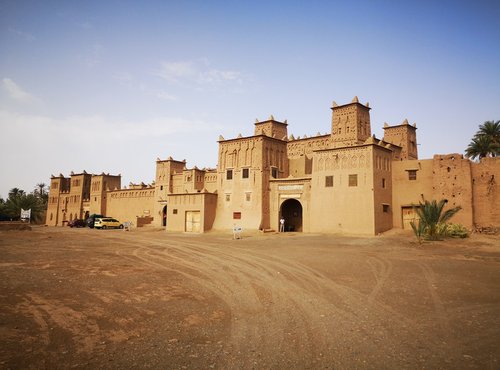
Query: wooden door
[[193, 221], [409, 215]]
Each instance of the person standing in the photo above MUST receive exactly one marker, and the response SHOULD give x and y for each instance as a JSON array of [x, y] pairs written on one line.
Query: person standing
[[282, 225]]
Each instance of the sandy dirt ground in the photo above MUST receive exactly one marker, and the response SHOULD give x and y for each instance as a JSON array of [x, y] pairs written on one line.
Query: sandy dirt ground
[[81, 298]]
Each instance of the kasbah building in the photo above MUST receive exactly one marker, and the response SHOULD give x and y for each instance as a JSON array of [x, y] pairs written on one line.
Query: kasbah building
[[347, 181]]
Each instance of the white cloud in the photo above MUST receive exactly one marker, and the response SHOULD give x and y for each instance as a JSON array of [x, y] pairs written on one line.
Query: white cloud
[[197, 73], [16, 92], [86, 128], [217, 76], [47, 145], [177, 71], [164, 96]]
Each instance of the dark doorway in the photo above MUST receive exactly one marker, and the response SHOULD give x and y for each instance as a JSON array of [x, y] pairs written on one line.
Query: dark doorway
[[164, 216], [291, 211]]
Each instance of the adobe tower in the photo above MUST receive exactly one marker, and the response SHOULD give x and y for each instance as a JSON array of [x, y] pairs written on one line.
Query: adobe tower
[[350, 123]]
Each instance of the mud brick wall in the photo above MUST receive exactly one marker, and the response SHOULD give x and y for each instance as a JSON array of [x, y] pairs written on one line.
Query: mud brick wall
[[485, 185]]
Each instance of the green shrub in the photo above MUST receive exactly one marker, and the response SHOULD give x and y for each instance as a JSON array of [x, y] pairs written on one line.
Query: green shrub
[[442, 229], [432, 223], [457, 231], [419, 230]]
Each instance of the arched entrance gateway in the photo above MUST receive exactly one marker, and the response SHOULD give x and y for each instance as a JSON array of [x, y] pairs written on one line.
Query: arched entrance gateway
[[291, 211]]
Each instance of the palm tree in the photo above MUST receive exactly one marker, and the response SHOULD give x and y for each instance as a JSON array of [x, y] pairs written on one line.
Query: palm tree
[[482, 146], [491, 129], [14, 192], [41, 192], [432, 216], [486, 142], [418, 230], [3, 215], [13, 205], [40, 189]]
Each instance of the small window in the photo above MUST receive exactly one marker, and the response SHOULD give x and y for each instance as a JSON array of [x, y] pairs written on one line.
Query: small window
[[385, 208], [353, 180], [245, 172], [236, 215], [328, 181], [274, 172], [412, 174], [248, 196], [228, 197], [383, 183], [161, 187], [229, 175], [174, 211]]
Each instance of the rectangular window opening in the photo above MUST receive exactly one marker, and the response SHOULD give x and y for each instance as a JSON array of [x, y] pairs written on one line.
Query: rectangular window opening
[[236, 215], [353, 180], [274, 172], [412, 174], [385, 208], [245, 173], [229, 175], [328, 181]]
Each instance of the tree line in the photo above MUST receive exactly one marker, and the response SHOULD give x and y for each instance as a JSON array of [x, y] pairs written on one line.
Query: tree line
[[10, 208]]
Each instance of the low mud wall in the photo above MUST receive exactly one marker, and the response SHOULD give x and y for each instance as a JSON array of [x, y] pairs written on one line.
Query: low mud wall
[[14, 225]]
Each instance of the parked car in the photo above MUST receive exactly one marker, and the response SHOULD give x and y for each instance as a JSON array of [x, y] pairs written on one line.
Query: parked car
[[107, 223], [90, 220], [76, 223]]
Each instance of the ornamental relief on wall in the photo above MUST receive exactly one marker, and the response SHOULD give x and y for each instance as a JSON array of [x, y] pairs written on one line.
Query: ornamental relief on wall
[[340, 160], [295, 149]]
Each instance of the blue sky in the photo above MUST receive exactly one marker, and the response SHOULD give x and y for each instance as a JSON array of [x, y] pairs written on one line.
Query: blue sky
[[112, 85]]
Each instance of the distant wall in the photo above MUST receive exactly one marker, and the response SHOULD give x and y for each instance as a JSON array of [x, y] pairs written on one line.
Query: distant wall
[[128, 204], [472, 186], [191, 212], [452, 180], [485, 185], [408, 191]]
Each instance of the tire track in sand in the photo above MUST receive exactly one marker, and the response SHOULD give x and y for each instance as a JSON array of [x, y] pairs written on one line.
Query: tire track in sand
[[318, 310]]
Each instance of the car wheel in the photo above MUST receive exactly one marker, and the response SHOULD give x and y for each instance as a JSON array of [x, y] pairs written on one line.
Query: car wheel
[[104, 227], [121, 226]]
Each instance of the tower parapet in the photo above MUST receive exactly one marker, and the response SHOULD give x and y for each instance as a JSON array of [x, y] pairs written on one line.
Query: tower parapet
[[405, 136], [350, 123], [272, 128]]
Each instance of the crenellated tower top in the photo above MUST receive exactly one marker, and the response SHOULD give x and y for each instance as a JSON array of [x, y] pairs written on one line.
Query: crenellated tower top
[[350, 123], [271, 128]]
